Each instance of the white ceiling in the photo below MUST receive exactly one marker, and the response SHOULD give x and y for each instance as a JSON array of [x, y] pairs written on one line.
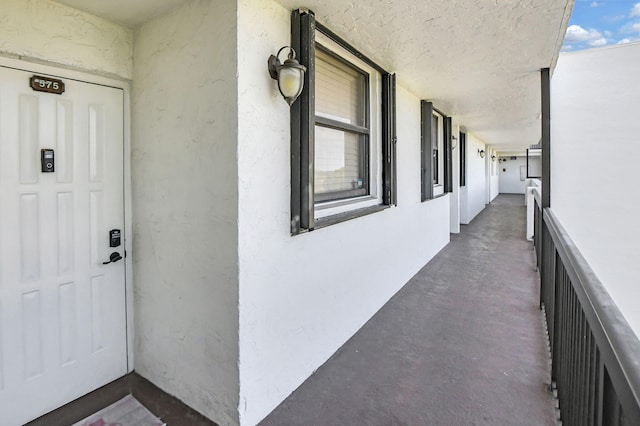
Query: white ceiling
[[129, 13], [477, 60]]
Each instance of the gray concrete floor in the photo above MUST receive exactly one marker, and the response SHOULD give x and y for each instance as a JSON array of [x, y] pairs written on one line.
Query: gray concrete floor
[[461, 344]]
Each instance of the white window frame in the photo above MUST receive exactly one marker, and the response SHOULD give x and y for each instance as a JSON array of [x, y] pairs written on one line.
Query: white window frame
[[438, 187], [333, 207]]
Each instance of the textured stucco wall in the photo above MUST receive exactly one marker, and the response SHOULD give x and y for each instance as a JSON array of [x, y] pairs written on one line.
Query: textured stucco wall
[[595, 143], [302, 297], [454, 197], [185, 206], [495, 186], [494, 176], [473, 197], [40, 30]]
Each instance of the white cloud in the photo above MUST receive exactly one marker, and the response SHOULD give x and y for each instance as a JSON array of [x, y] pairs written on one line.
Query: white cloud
[[624, 41], [598, 42], [577, 34], [635, 11], [630, 28], [614, 19], [608, 33], [594, 4]]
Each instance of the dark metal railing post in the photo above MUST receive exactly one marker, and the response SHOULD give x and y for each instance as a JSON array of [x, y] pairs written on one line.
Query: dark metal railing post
[[545, 89], [600, 397], [545, 97], [543, 265]]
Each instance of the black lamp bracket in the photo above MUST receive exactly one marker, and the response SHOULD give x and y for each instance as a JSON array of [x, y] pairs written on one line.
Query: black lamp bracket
[[274, 61]]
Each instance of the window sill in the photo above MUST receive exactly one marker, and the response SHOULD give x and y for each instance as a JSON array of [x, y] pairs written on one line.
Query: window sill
[[352, 214], [435, 197], [332, 208]]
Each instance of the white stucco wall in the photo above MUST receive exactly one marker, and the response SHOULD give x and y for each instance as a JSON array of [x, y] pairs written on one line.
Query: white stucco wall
[[302, 297], [184, 160], [510, 182], [493, 175], [595, 143], [454, 196], [44, 31], [473, 197], [495, 187]]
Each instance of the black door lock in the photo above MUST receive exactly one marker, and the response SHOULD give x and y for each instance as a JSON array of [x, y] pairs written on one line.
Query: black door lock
[[47, 161], [114, 238], [113, 258]]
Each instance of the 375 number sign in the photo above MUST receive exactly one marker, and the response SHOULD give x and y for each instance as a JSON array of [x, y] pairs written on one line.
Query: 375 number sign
[[47, 84]]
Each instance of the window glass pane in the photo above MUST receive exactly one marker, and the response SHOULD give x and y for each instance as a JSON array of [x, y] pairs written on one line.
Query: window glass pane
[[534, 161], [339, 161], [434, 132], [435, 143], [436, 163], [340, 90], [463, 159]]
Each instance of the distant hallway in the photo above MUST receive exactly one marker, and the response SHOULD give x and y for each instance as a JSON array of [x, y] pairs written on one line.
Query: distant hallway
[[461, 344]]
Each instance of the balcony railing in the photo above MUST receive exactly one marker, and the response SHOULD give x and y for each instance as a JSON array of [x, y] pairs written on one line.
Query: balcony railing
[[595, 353]]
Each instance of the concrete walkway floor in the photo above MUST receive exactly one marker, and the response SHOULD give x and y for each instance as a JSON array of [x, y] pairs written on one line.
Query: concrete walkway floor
[[461, 344]]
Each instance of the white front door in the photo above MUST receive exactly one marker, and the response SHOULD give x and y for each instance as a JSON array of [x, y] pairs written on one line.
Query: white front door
[[62, 311]]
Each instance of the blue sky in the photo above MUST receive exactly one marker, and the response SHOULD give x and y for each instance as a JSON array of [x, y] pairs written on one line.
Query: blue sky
[[597, 23]]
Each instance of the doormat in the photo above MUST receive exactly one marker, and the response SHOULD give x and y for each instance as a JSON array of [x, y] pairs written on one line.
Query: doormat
[[126, 412]]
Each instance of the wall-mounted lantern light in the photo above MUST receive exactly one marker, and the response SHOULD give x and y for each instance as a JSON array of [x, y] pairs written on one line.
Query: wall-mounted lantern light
[[454, 142], [481, 153], [290, 74], [493, 158]]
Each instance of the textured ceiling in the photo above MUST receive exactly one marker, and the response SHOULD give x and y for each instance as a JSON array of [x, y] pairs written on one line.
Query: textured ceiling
[[129, 13], [477, 60]]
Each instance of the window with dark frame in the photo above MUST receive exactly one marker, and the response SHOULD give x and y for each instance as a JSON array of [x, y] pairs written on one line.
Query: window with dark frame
[[434, 145], [436, 155], [331, 132], [448, 156], [463, 159]]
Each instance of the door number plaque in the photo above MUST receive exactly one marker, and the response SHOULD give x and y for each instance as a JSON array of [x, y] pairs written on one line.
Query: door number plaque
[[47, 84]]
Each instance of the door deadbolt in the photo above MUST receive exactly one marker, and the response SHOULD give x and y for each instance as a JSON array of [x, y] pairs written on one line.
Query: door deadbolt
[[47, 161]]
